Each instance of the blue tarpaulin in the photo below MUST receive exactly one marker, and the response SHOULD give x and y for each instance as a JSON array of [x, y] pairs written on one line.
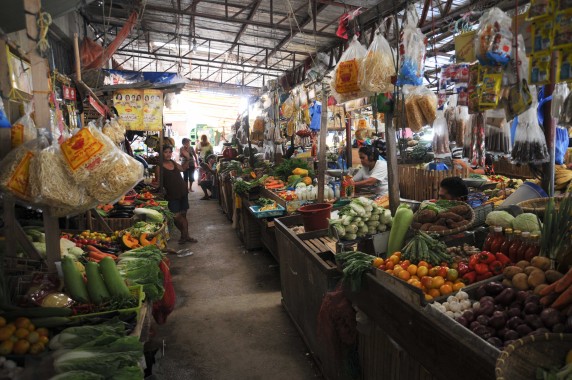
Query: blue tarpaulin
[[145, 76]]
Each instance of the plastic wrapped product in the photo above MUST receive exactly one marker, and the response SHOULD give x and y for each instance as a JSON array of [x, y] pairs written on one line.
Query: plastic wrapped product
[[493, 45], [412, 46], [440, 144], [24, 129], [378, 66], [114, 130], [529, 141], [345, 77]]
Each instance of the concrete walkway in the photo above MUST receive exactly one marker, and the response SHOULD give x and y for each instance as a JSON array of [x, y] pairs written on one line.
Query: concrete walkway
[[228, 322]]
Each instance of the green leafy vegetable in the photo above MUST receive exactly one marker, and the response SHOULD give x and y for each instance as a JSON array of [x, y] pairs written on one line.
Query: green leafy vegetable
[[88, 335], [355, 264], [284, 169], [78, 375]]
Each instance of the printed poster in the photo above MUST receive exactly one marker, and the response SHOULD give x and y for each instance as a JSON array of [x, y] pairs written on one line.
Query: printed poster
[[153, 110], [140, 110]]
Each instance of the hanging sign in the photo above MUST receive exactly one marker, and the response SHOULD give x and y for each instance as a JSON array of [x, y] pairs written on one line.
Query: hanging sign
[[153, 110], [96, 105], [69, 93], [140, 110]]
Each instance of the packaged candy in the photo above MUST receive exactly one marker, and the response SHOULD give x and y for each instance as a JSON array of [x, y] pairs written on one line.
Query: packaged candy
[[542, 35], [490, 91], [540, 9], [565, 66], [540, 68], [562, 31]]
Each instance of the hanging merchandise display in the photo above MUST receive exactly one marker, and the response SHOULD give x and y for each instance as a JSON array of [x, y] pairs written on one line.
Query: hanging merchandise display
[[316, 115], [412, 45], [420, 107], [497, 132], [378, 66], [477, 147], [24, 129], [114, 130], [345, 77], [440, 137], [529, 141], [494, 42]]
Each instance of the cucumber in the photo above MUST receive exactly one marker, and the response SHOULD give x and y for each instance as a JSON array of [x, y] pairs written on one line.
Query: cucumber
[[50, 322], [73, 281], [38, 312], [95, 285], [112, 279]]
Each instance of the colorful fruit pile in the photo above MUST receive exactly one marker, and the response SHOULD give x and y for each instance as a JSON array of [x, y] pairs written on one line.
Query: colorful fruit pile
[[21, 337], [481, 266], [435, 281]]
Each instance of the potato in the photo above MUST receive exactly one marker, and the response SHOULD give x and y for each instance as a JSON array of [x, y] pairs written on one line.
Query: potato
[[535, 278], [539, 288], [507, 283], [416, 225], [541, 262], [529, 269], [426, 216], [520, 281], [512, 270], [552, 276], [450, 215], [523, 264]]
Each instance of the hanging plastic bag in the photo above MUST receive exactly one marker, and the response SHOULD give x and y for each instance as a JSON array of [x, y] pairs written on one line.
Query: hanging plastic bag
[[561, 142], [412, 45], [15, 169], [420, 107], [440, 143], [493, 45], [114, 130], [24, 129], [345, 77], [477, 139], [529, 141], [378, 66], [461, 125], [287, 108]]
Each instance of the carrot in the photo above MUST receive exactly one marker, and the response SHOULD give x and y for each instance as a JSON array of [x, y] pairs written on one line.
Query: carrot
[[95, 256], [564, 299], [564, 283], [91, 249], [548, 289], [547, 300]]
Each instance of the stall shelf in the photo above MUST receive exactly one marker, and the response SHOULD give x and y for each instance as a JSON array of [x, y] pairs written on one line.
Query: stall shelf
[[226, 195], [307, 272], [255, 232]]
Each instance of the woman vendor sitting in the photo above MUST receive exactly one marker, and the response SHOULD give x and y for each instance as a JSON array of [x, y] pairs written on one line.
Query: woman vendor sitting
[[372, 177]]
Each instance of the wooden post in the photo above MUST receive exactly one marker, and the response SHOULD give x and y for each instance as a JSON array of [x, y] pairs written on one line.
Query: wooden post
[[322, 144], [348, 120], [78, 67], [549, 131], [393, 176], [41, 91], [5, 139]]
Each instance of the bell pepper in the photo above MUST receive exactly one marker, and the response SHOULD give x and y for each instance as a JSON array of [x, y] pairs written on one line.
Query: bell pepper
[[484, 276], [496, 267], [469, 277], [473, 260], [462, 268], [486, 257], [504, 259], [481, 268]]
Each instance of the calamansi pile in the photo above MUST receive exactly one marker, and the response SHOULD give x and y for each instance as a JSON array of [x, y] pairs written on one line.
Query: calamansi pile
[[21, 337], [435, 281]]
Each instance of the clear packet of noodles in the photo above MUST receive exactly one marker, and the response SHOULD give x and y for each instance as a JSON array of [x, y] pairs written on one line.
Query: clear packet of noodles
[[54, 187], [24, 129], [345, 77], [15, 169], [114, 130], [378, 66]]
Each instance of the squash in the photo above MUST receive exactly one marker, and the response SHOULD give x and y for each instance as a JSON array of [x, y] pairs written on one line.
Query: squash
[[300, 172], [129, 241], [307, 180], [145, 242]]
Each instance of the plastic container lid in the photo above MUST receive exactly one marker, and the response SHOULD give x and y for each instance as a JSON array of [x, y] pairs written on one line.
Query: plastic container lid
[[508, 230], [498, 229]]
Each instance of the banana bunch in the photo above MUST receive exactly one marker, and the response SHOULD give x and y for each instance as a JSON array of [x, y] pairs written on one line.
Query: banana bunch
[[562, 177]]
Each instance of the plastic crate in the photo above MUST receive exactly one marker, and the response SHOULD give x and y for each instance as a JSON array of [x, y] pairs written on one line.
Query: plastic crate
[[279, 211], [136, 291], [481, 213]]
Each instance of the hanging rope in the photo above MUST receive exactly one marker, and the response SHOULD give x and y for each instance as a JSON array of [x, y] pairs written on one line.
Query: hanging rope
[[44, 21]]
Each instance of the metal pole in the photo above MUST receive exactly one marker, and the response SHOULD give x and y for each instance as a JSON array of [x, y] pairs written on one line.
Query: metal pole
[[348, 120], [322, 144]]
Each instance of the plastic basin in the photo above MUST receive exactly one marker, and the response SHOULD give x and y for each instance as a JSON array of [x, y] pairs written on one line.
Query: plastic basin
[[526, 191], [315, 216]]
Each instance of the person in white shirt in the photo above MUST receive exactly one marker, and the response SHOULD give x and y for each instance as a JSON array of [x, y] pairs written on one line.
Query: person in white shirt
[[372, 177]]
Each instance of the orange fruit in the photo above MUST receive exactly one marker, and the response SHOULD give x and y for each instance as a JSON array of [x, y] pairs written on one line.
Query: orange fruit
[[43, 331], [423, 264], [389, 264], [44, 339], [2, 321], [398, 254], [6, 347], [22, 322], [33, 337], [417, 284], [448, 283], [428, 297], [446, 289], [427, 282], [434, 293], [21, 347], [414, 276], [404, 275], [412, 269], [389, 271], [31, 327], [433, 272], [438, 281], [377, 261], [22, 333], [11, 326], [37, 348], [452, 275], [458, 286], [422, 271], [405, 264], [394, 259], [397, 268], [5, 333]]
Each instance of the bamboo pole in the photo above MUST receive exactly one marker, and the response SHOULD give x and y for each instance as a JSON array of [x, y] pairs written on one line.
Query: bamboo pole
[[322, 144], [393, 176], [78, 67]]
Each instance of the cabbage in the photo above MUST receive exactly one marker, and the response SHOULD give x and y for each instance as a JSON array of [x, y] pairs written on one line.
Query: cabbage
[[526, 222], [78, 375], [499, 218]]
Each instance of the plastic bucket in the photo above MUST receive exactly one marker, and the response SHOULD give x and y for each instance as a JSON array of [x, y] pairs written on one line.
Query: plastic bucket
[[526, 191], [315, 216]]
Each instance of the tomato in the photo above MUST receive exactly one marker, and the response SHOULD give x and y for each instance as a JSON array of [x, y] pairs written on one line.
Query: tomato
[[452, 275], [442, 271]]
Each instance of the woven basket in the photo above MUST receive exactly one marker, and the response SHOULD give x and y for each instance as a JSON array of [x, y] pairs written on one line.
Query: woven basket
[[458, 229], [520, 360], [537, 205]]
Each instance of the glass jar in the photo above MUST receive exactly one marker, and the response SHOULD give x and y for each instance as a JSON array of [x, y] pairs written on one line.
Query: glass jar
[[515, 246]]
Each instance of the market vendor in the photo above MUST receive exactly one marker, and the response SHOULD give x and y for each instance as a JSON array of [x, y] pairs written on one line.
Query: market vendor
[[453, 189], [372, 177]]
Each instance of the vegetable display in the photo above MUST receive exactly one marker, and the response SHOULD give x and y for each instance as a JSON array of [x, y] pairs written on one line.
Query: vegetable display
[[355, 264], [424, 247], [401, 223], [359, 218], [526, 222], [441, 216], [20, 336]]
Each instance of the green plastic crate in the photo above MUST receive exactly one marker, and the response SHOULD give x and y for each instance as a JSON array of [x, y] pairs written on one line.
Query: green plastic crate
[[136, 291]]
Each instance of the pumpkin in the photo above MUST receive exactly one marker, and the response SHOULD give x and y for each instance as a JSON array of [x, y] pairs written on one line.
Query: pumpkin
[[130, 241], [307, 180], [145, 242]]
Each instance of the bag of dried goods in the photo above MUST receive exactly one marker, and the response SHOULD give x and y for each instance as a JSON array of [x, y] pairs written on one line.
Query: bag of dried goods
[[52, 184], [345, 77], [412, 44], [420, 107], [529, 141], [378, 66], [24, 129], [114, 130], [15, 169], [493, 45], [440, 137], [287, 108]]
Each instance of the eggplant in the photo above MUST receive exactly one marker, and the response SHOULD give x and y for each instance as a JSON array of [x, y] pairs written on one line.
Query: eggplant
[[521, 295], [523, 330], [534, 298], [482, 331], [534, 321], [487, 299], [506, 296], [511, 335], [550, 317], [470, 316], [486, 308], [514, 322], [502, 332], [493, 288], [514, 312], [480, 292], [106, 249], [463, 321], [499, 307], [495, 341], [531, 308], [474, 325], [498, 320], [483, 319], [540, 331], [559, 328]]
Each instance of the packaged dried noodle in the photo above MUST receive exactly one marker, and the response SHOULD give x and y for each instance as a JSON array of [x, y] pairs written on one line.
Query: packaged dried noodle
[[24, 129], [114, 130], [345, 77], [378, 66]]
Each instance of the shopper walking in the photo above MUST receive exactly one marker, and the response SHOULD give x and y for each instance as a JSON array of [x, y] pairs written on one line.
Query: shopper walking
[[206, 176], [204, 148], [176, 192], [188, 154]]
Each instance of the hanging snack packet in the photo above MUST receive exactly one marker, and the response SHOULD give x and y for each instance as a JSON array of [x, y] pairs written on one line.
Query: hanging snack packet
[[539, 9], [493, 45], [565, 65], [562, 31], [378, 66], [412, 45], [24, 129], [540, 68], [541, 31], [440, 143], [345, 77], [287, 108], [15, 169], [490, 91]]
